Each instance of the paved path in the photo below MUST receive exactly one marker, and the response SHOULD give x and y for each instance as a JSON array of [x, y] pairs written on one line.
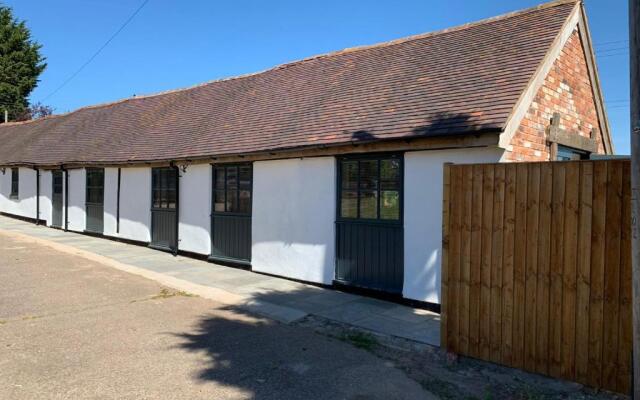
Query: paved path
[[72, 328], [276, 298]]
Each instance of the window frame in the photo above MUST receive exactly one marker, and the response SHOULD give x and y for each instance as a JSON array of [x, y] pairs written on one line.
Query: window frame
[[367, 157], [163, 189], [214, 188], [15, 184], [88, 188], [584, 155]]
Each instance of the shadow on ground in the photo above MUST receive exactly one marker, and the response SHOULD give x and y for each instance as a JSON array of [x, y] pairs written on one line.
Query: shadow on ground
[[271, 360]]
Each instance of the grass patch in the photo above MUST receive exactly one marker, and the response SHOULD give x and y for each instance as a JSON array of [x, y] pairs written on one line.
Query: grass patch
[[361, 340], [166, 293]]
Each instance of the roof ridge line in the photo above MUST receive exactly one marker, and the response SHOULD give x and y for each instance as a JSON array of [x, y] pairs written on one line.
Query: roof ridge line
[[550, 4]]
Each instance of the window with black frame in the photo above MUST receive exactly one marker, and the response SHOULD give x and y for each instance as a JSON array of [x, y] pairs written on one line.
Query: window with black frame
[[15, 183], [371, 188], [95, 185], [570, 154], [164, 188], [232, 188]]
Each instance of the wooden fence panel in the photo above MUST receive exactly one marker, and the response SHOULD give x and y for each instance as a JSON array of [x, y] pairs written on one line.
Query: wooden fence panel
[[537, 268]]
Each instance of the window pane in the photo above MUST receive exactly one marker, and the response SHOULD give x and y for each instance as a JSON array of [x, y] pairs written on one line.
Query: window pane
[[232, 201], [349, 204], [219, 178], [369, 174], [163, 197], [219, 201], [245, 177], [369, 204], [156, 198], [232, 178], [171, 179], [390, 205], [244, 205], [171, 198], [349, 175], [390, 174]]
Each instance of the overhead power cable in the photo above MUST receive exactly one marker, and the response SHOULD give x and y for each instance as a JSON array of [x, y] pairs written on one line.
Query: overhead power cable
[[72, 76]]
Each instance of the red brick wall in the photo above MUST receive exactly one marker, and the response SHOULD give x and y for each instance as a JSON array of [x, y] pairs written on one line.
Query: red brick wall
[[567, 90]]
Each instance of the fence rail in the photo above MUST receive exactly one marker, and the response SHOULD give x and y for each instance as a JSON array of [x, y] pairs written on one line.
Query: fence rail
[[537, 268]]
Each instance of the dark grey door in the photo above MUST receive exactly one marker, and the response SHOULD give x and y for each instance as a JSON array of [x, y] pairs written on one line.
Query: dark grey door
[[94, 203], [231, 216], [369, 232], [56, 199], [164, 203]]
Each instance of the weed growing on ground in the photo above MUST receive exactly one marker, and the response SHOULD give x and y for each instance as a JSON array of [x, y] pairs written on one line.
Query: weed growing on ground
[[361, 340]]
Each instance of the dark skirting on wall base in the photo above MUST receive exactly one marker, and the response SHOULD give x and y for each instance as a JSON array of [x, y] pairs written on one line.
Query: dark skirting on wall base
[[386, 296], [26, 219]]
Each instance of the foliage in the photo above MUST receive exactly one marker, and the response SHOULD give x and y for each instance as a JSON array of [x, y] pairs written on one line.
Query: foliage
[[20, 65], [34, 111]]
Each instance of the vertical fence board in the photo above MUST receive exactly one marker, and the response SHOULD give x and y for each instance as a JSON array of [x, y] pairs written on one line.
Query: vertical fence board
[[465, 265], [485, 263], [475, 273], [519, 264], [531, 266], [612, 275], [625, 328], [596, 295], [537, 261], [444, 285], [555, 270], [496, 263], [544, 253], [569, 275], [507, 263], [584, 271]]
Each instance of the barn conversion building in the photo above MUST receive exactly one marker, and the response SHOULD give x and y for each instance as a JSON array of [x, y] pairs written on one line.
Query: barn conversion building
[[326, 170]]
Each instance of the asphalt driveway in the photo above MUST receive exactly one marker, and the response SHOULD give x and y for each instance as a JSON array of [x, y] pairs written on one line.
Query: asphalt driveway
[[73, 328]]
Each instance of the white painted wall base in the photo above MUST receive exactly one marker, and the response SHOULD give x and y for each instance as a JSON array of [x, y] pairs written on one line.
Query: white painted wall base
[[135, 204], [25, 204], [293, 229], [423, 216], [195, 209]]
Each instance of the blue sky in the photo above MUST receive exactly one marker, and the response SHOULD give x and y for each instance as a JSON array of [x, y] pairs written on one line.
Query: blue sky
[[172, 44]]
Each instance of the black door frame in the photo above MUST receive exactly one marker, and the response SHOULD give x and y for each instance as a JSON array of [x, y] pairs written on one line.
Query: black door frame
[[370, 224], [173, 247], [239, 218]]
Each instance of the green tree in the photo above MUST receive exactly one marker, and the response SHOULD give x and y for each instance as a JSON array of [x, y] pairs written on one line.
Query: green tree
[[20, 65]]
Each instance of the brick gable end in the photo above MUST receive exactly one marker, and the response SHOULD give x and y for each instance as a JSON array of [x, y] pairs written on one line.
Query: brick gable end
[[566, 90]]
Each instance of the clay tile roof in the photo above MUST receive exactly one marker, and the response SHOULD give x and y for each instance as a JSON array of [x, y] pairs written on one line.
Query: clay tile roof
[[456, 81]]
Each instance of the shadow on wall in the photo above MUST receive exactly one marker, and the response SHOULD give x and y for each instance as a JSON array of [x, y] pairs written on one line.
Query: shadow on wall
[[269, 360]]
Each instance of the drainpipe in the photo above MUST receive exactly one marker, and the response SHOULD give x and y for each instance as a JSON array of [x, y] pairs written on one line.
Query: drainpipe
[[175, 251], [118, 202], [37, 196], [66, 199]]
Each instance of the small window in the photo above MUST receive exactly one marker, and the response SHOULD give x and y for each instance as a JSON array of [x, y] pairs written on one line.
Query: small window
[[370, 188], [95, 185], [570, 154], [163, 188], [15, 183], [232, 185]]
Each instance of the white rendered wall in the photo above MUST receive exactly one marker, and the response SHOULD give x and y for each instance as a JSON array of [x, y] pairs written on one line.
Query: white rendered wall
[[46, 190], [135, 204], [423, 216], [293, 222], [77, 195], [110, 201], [25, 204], [195, 209]]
